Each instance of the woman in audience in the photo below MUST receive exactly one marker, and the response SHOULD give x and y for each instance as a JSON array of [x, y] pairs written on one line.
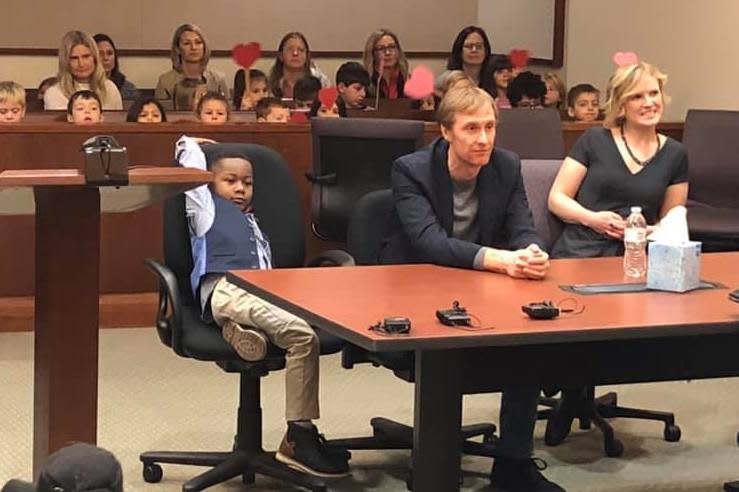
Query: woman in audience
[[190, 55], [471, 53], [80, 69], [146, 110], [621, 164], [292, 63], [385, 60], [500, 70], [556, 92], [109, 59]]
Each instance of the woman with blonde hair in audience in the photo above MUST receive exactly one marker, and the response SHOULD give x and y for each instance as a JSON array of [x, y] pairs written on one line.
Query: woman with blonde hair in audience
[[190, 55], [80, 69], [293, 62], [109, 59], [385, 60]]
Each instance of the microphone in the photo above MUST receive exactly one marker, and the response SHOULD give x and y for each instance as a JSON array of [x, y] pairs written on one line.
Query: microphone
[[380, 69]]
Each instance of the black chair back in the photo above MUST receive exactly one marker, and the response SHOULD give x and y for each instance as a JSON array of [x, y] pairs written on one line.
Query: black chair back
[[538, 177], [531, 133], [351, 157], [367, 226]]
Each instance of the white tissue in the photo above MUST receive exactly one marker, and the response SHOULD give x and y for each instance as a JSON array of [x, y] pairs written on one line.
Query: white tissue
[[673, 228]]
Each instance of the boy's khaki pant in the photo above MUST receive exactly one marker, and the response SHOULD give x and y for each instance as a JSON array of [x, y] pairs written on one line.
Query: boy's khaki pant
[[293, 334]]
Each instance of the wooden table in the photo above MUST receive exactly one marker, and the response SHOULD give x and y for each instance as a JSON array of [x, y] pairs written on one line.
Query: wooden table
[[67, 286], [618, 338]]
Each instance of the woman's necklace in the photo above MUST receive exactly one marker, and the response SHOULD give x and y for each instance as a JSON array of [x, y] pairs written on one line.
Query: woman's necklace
[[631, 154]]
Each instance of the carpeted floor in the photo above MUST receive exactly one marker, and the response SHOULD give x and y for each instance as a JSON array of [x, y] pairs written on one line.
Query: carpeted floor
[[151, 399]]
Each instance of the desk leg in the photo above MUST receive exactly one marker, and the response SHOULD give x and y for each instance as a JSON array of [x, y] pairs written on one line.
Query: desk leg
[[438, 417], [66, 318]]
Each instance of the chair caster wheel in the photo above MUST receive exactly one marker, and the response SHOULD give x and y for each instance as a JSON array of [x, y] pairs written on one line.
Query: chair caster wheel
[[614, 448], [672, 433], [152, 473]]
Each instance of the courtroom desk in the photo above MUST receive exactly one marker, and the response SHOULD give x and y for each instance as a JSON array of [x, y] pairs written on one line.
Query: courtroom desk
[[617, 338]]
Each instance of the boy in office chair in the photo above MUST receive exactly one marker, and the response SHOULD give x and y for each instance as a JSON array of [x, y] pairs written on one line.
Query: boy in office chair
[[225, 235]]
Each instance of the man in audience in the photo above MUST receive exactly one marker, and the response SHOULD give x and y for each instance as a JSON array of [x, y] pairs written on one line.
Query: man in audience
[[460, 202], [527, 90], [272, 110], [12, 102], [352, 80], [84, 108], [583, 103]]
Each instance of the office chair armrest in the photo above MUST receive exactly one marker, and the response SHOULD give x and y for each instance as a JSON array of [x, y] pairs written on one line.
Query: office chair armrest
[[323, 179], [169, 326], [332, 257]]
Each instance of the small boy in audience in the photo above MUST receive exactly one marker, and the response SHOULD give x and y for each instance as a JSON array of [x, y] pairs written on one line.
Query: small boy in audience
[[306, 91], [352, 80], [583, 103], [213, 109], [272, 110], [527, 90], [256, 90], [12, 102], [84, 108]]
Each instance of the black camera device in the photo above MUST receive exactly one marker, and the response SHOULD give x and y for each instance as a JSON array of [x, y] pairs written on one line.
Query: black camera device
[[456, 316], [106, 161], [394, 325], [541, 310]]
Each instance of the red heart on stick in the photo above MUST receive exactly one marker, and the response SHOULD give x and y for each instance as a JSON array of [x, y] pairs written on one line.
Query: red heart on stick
[[298, 117], [246, 54], [420, 84], [519, 58], [328, 96]]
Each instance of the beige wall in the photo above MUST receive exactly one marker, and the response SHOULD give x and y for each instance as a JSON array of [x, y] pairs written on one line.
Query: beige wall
[[693, 42]]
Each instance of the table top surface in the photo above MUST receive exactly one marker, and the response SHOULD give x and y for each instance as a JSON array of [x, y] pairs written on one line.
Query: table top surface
[[137, 176], [347, 300]]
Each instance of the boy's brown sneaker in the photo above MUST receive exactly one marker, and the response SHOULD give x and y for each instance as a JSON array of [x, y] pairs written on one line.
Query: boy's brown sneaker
[[301, 450], [250, 344]]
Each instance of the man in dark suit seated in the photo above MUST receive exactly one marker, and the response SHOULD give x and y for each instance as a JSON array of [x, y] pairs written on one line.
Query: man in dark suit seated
[[462, 203]]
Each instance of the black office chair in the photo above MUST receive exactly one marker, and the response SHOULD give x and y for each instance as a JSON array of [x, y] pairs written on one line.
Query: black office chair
[[351, 157], [710, 138], [364, 241], [531, 133], [538, 177], [733, 486], [180, 327]]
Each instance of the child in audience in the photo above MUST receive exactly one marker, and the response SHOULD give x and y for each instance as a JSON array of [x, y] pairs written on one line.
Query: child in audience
[[272, 110], [306, 91], [352, 81], [247, 100], [213, 109], [502, 73], [12, 102], [583, 103], [84, 108], [320, 110], [225, 234], [556, 91], [45, 84], [527, 90], [146, 110]]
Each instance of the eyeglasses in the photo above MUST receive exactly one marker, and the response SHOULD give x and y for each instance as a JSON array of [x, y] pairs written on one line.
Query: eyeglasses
[[473, 46], [297, 49], [390, 48]]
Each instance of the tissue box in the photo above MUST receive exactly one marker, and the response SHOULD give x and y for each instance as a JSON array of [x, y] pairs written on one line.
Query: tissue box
[[674, 267]]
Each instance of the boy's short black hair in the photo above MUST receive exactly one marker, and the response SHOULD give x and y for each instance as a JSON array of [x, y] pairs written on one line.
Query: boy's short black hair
[[316, 105], [306, 88], [352, 73], [86, 94], [575, 92], [526, 84], [265, 105]]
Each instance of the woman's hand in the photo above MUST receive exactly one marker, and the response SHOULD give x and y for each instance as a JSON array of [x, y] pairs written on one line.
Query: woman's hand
[[607, 223]]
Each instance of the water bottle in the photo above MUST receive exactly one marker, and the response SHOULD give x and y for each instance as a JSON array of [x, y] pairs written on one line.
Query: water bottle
[[635, 243]]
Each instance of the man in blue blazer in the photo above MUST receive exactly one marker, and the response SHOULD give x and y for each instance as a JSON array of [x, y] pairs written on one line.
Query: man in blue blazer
[[460, 202]]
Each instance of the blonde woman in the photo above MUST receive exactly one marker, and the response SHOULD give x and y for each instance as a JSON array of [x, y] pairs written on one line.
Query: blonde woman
[[190, 55], [623, 163], [80, 69], [556, 96], [385, 60]]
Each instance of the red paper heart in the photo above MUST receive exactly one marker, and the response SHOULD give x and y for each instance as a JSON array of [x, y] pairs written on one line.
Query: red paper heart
[[624, 58], [420, 84], [519, 58], [246, 54], [298, 117], [328, 96]]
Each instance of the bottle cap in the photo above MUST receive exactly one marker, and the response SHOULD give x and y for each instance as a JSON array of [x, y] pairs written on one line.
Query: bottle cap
[[635, 210]]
